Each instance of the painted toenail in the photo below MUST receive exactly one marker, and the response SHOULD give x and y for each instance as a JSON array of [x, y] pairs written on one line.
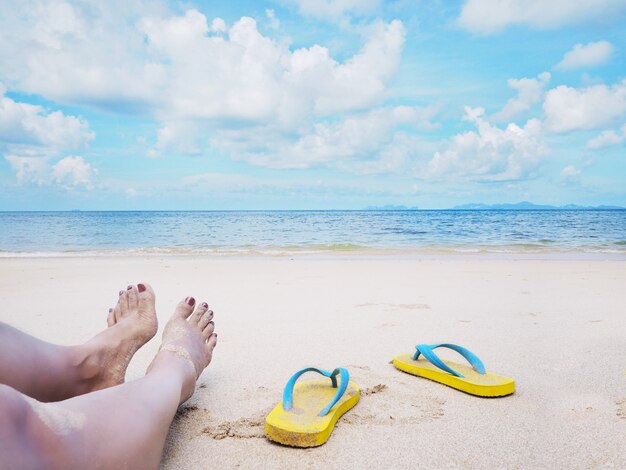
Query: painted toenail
[[212, 323], [205, 305], [110, 310], [141, 287], [191, 301], [129, 287], [121, 292]]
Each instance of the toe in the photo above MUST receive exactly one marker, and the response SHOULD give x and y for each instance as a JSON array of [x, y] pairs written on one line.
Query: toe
[[133, 300], [198, 313], [145, 297], [212, 342], [184, 307], [204, 320], [111, 318], [117, 311], [122, 303], [208, 330]]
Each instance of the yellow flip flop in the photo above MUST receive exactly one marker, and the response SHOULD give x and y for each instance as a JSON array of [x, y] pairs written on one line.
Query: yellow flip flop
[[474, 380], [298, 421]]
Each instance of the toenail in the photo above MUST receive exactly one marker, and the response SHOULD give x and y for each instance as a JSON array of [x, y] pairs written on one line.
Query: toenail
[[141, 287], [205, 305], [191, 301], [121, 292], [212, 323], [129, 287], [110, 310]]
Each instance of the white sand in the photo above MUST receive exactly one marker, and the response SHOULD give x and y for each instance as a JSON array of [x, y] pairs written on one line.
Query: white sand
[[558, 327]]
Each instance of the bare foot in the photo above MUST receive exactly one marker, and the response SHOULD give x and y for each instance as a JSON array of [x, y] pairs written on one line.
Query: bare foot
[[103, 360], [188, 343]]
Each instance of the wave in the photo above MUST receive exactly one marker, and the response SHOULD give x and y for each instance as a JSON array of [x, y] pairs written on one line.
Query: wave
[[330, 249]]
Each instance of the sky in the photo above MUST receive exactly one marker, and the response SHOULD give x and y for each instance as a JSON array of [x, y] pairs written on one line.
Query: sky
[[311, 104]]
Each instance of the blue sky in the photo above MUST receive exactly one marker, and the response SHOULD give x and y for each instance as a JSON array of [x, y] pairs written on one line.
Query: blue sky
[[311, 104]]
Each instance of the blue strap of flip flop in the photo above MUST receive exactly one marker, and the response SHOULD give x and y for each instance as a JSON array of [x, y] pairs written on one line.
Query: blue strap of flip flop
[[426, 350], [343, 385]]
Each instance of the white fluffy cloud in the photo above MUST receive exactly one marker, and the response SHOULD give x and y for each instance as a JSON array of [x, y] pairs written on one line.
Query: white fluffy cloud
[[33, 126], [134, 57], [274, 22], [491, 153], [335, 9], [587, 55], [177, 137], [245, 76], [351, 141], [529, 92], [266, 98], [78, 52], [29, 169], [218, 25], [570, 171], [607, 139], [492, 16], [31, 136], [568, 109], [69, 173], [73, 172]]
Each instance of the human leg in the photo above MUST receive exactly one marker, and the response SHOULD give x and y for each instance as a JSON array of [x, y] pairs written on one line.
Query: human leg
[[123, 426], [50, 372]]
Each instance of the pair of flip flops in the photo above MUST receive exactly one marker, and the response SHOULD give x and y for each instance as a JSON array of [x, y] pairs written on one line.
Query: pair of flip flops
[[309, 410]]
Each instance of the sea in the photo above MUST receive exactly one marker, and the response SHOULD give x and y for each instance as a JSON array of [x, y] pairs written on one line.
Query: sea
[[564, 233]]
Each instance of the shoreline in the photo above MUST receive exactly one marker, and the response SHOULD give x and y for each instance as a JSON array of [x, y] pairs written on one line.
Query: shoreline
[[354, 254]]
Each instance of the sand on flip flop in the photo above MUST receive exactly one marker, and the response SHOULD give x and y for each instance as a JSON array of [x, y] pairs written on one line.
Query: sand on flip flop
[[556, 326]]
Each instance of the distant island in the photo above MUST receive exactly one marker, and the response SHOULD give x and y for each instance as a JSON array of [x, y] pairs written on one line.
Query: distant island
[[520, 206], [525, 205]]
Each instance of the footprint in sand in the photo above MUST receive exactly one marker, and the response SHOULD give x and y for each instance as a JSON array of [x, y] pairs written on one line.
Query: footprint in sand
[[621, 408], [386, 403], [243, 428], [183, 411], [191, 421], [187, 425], [372, 390]]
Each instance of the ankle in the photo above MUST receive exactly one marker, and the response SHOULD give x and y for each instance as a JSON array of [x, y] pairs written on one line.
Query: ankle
[[177, 368], [94, 363], [87, 360]]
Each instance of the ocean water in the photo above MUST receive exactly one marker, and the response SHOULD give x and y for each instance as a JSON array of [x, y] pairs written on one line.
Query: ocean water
[[312, 232]]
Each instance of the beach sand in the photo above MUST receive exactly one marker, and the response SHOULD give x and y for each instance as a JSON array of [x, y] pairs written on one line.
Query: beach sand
[[558, 327]]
